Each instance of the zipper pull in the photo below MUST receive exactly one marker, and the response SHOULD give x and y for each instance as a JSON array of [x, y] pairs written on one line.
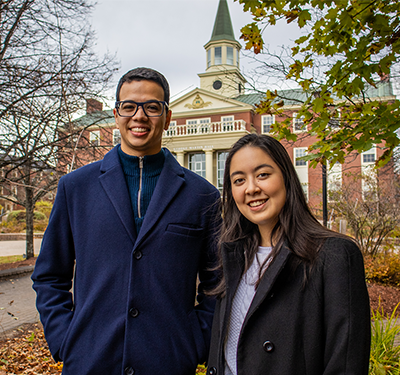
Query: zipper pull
[[140, 185]]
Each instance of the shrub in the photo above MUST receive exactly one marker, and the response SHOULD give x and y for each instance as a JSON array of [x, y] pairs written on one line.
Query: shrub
[[383, 269], [13, 216], [12, 226], [16, 222], [40, 226], [44, 207], [385, 354], [21, 216]]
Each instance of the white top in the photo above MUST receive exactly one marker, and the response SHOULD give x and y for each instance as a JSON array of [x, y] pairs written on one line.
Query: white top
[[241, 303]]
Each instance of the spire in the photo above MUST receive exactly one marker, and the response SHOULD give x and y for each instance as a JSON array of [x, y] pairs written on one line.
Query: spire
[[223, 25]]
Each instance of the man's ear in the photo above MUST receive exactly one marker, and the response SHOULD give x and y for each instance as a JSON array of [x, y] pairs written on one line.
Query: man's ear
[[168, 119], [116, 117]]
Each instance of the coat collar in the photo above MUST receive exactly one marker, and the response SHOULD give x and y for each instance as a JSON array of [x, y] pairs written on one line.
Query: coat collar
[[169, 184], [233, 262], [268, 280], [171, 179], [110, 178]]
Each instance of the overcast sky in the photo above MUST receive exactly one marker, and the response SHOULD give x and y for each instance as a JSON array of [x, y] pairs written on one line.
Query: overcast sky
[[168, 35]]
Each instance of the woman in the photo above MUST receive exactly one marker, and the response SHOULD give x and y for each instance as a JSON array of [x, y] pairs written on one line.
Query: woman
[[292, 298]]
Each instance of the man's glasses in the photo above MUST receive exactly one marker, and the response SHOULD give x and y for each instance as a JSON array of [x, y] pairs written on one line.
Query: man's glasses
[[151, 108]]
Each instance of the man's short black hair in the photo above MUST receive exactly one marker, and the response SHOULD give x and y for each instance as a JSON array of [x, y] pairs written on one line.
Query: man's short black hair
[[139, 74]]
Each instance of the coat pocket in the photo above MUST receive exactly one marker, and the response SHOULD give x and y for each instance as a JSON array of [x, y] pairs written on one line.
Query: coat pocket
[[185, 230]]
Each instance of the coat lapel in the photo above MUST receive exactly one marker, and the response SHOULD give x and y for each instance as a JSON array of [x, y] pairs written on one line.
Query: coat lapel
[[170, 181], [268, 280], [112, 180], [233, 261]]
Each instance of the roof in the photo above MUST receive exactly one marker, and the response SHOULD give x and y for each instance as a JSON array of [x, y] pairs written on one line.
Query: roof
[[297, 96], [223, 25], [97, 117], [290, 97]]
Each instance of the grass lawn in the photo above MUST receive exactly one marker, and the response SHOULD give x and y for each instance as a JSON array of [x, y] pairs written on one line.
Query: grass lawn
[[11, 259]]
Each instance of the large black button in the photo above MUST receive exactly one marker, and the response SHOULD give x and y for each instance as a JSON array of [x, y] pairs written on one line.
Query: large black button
[[268, 346], [134, 313], [129, 371], [212, 371], [137, 254]]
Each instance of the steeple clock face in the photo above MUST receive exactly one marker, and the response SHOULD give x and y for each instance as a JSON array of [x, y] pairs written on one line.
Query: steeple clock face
[[217, 85]]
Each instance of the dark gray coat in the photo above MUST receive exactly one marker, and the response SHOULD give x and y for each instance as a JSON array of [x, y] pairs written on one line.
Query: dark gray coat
[[322, 328]]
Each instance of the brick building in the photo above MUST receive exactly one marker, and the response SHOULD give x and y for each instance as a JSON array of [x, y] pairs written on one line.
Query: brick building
[[209, 119]]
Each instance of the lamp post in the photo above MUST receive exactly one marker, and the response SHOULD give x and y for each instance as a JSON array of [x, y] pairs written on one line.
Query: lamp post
[[324, 196]]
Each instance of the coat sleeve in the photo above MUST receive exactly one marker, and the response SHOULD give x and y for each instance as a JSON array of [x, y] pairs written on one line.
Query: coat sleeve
[[207, 276], [346, 310], [52, 277]]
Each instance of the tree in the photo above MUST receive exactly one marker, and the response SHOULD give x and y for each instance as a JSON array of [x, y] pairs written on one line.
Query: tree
[[372, 212], [47, 71], [344, 47]]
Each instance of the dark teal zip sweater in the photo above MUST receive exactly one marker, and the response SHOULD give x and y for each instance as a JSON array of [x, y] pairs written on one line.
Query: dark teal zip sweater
[[141, 175]]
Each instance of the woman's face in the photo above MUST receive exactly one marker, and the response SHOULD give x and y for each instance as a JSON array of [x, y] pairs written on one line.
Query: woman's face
[[258, 188]]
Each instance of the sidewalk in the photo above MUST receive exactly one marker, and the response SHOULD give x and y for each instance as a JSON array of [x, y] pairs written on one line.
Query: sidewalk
[[17, 302], [17, 298], [17, 247]]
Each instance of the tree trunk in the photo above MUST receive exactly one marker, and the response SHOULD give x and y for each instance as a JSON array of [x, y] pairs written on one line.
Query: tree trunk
[[29, 206]]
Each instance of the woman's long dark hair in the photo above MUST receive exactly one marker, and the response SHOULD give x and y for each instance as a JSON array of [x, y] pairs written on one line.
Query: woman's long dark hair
[[296, 227]]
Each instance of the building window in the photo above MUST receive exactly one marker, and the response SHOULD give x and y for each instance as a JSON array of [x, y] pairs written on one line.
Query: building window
[[369, 181], [301, 168], [229, 55], [334, 122], [198, 126], [267, 121], [197, 163], [171, 131], [191, 126], [369, 157], [221, 159], [334, 178], [218, 56], [209, 58], [298, 153], [227, 123], [95, 138], [204, 125], [298, 123], [116, 137]]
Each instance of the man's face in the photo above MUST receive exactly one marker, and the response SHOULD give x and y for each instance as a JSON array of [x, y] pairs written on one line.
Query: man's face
[[141, 135]]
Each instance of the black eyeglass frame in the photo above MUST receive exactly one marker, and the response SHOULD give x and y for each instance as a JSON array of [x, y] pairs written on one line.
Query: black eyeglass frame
[[141, 104]]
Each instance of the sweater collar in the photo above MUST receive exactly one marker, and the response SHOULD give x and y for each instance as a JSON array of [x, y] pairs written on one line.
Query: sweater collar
[[152, 164]]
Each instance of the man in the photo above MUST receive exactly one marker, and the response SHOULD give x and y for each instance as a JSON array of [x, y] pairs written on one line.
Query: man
[[134, 230]]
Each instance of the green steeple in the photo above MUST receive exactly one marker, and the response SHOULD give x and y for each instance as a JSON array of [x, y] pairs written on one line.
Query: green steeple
[[223, 25]]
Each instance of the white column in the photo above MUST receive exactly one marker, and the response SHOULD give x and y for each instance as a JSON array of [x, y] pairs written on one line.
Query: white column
[[180, 157], [209, 165]]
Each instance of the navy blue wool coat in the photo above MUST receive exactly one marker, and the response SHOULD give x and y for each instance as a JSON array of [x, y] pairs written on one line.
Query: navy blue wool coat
[[132, 308]]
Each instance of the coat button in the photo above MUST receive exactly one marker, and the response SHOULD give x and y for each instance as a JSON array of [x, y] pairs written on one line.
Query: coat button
[[134, 313], [212, 371], [137, 254], [268, 346], [129, 371]]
